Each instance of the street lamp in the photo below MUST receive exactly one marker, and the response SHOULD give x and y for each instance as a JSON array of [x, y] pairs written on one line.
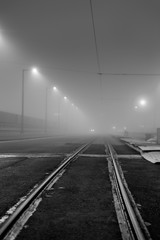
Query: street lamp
[[143, 102], [46, 107], [34, 71], [55, 89], [59, 108]]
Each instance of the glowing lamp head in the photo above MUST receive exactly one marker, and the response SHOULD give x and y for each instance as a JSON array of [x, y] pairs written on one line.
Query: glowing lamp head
[[143, 102], [55, 89], [65, 98], [34, 71]]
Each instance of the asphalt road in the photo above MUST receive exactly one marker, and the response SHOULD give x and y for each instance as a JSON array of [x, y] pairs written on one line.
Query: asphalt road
[[18, 175], [80, 206], [42, 145]]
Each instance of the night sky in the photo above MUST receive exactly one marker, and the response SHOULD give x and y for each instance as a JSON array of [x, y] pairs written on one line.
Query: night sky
[[57, 36]]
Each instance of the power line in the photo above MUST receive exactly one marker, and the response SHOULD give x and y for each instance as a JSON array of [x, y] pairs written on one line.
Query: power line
[[131, 74], [95, 37]]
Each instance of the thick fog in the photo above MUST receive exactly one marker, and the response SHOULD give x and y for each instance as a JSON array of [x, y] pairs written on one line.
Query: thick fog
[[105, 65]]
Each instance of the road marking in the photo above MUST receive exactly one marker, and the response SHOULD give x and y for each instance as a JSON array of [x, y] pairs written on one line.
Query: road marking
[[27, 139], [129, 156], [32, 155], [93, 155], [41, 155]]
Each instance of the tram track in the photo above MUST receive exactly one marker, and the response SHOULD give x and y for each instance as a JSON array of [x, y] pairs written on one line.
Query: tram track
[[7, 228], [143, 181], [130, 222], [132, 225]]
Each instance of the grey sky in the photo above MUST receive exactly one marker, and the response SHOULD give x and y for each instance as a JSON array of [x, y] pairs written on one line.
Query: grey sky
[[57, 36]]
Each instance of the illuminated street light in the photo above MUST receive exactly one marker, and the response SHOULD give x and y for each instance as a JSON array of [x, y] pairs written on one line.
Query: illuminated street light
[[55, 89], [135, 107], [142, 102], [65, 98], [46, 107], [34, 71]]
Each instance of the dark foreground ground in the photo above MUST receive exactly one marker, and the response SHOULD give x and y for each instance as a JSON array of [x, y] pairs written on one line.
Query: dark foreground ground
[[18, 175], [79, 207]]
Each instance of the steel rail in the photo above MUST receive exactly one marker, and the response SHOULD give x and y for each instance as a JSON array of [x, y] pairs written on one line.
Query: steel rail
[[133, 219], [5, 228]]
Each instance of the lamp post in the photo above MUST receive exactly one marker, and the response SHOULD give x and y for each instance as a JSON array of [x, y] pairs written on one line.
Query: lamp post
[[66, 109], [34, 71], [141, 104], [46, 111], [55, 89], [46, 106]]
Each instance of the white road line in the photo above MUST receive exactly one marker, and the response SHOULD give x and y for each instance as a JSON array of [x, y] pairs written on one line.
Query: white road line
[[92, 155], [32, 155], [27, 139]]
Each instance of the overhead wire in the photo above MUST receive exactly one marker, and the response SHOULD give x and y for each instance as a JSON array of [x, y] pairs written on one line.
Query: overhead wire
[[95, 38], [98, 60]]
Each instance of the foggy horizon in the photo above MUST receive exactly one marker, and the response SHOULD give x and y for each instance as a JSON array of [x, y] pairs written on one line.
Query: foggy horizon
[[104, 83]]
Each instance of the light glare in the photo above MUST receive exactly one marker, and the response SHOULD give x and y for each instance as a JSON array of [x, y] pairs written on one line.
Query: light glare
[[34, 71], [92, 130], [143, 102], [55, 89]]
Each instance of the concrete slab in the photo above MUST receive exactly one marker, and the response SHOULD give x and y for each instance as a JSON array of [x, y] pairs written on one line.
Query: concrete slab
[[138, 142], [153, 157], [150, 148]]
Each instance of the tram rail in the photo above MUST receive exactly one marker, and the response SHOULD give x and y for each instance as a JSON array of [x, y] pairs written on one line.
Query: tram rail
[[133, 223], [7, 226], [134, 231]]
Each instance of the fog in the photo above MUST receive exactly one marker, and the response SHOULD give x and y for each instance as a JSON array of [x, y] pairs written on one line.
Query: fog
[[104, 66]]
